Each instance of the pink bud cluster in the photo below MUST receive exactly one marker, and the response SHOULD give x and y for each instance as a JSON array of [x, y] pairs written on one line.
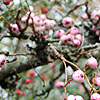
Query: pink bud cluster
[[72, 97], [41, 22], [92, 62], [72, 37], [59, 84], [78, 76], [2, 60], [95, 14], [95, 96]]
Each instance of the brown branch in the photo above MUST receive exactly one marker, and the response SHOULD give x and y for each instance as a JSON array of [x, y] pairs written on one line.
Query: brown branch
[[86, 52], [76, 6], [73, 65]]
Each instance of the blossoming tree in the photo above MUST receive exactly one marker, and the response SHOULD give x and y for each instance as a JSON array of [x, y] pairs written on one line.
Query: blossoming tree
[[50, 45]]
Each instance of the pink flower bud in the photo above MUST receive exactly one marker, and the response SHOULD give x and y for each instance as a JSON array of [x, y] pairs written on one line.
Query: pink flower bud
[[97, 81], [95, 96], [78, 76], [59, 84], [67, 21], [94, 13], [78, 97], [38, 21], [31, 8], [52, 23], [92, 62], [70, 37], [60, 32], [74, 30], [43, 16], [15, 28], [64, 39], [96, 18], [76, 42], [2, 60], [23, 19], [47, 23], [79, 37], [94, 28], [71, 97], [85, 16]]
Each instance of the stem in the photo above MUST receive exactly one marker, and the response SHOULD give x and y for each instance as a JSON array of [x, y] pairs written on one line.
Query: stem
[[65, 80], [68, 82]]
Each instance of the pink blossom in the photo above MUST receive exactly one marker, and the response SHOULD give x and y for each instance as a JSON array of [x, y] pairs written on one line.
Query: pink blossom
[[60, 32], [97, 80], [95, 96], [43, 16], [78, 76], [70, 37], [78, 97], [2, 60], [15, 28], [92, 62], [52, 23], [23, 19], [94, 12], [94, 28], [71, 97], [76, 42], [74, 30], [64, 39], [59, 84], [96, 17], [79, 37], [47, 23], [37, 21], [85, 16], [67, 21]]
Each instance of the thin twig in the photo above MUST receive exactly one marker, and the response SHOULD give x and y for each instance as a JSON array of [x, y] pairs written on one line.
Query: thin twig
[[65, 98]]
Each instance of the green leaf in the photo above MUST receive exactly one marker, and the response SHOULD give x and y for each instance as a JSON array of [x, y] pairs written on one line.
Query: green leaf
[[70, 1], [1, 19], [30, 99]]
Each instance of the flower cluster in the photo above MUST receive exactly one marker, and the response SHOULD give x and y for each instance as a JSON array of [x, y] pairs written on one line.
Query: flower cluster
[[41, 22], [73, 37]]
